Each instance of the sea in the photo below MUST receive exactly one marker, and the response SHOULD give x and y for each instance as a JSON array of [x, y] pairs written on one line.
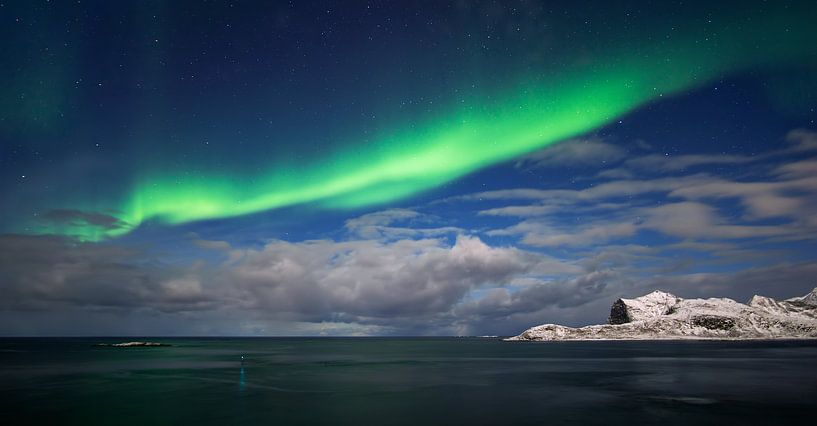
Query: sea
[[406, 381]]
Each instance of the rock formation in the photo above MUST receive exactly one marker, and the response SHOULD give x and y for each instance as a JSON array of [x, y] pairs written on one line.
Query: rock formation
[[661, 315]]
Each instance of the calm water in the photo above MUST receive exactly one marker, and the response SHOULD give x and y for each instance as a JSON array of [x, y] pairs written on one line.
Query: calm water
[[411, 381]]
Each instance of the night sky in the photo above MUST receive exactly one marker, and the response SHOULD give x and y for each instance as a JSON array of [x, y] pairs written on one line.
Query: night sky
[[398, 168]]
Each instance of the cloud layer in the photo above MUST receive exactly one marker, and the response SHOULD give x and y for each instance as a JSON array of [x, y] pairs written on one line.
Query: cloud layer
[[529, 255]]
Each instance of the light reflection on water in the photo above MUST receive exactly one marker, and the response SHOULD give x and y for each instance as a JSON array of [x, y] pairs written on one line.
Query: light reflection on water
[[241, 382]]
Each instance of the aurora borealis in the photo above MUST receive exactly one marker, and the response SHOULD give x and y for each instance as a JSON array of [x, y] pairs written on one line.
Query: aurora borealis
[[214, 132], [478, 134], [526, 114]]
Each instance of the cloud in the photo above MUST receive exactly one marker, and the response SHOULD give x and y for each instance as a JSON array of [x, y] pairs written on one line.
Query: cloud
[[674, 163], [543, 234], [619, 188], [211, 244], [574, 152], [696, 207], [789, 197], [538, 295], [352, 287], [780, 281], [617, 173], [688, 220], [369, 278], [374, 284], [802, 140], [69, 217], [799, 169], [595, 152], [48, 272], [378, 225], [381, 218], [799, 140], [521, 211], [697, 220], [508, 194]]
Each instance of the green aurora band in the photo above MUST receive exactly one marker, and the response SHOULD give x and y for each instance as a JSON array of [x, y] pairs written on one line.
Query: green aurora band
[[533, 114]]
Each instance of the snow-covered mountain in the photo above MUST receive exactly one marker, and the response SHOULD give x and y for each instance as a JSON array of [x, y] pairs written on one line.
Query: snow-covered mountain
[[660, 315]]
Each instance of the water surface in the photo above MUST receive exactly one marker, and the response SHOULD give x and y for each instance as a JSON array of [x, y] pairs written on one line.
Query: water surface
[[406, 381]]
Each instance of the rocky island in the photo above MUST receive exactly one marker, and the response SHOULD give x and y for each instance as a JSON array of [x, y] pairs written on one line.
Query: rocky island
[[664, 316], [132, 344]]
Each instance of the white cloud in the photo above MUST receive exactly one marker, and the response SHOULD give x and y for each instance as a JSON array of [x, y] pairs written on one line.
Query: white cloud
[[798, 169], [368, 278], [379, 225], [617, 173], [689, 207], [674, 163], [365, 282], [793, 198], [541, 234], [697, 220], [802, 140], [574, 152], [799, 140], [607, 190], [381, 218], [686, 209], [521, 211]]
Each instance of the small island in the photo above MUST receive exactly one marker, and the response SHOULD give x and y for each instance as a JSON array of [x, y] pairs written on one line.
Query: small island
[[132, 344], [664, 316]]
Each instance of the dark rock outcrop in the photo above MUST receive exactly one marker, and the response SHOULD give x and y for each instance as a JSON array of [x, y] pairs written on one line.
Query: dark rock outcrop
[[618, 313], [713, 322]]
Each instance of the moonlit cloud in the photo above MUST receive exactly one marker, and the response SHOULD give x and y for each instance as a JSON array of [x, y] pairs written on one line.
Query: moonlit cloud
[[361, 281], [381, 225], [689, 206], [575, 152], [682, 162]]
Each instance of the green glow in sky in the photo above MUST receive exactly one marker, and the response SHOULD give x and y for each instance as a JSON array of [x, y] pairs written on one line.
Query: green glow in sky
[[533, 114]]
